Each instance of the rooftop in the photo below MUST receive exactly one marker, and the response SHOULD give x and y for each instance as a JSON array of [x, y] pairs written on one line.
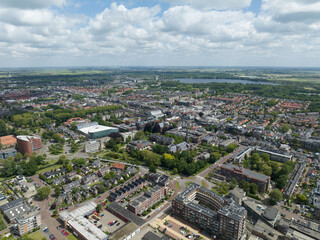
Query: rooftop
[[87, 229], [246, 172], [81, 211], [8, 140]]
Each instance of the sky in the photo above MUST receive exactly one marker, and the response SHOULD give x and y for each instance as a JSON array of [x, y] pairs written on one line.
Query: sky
[[59, 33]]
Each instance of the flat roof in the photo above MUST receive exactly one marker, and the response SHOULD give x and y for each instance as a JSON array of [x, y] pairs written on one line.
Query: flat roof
[[126, 213], [124, 231], [8, 140], [246, 172], [95, 128], [27, 138], [87, 229], [81, 211]]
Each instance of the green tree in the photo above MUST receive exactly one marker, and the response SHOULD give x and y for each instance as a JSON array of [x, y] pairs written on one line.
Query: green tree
[[303, 199], [69, 168], [267, 170], [18, 156], [99, 208], [275, 196], [285, 128], [139, 135], [153, 169], [43, 193], [57, 191], [8, 168], [3, 128]]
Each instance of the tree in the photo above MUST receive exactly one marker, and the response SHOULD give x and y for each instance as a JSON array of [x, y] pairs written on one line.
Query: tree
[[55, 212], [79, 162], [18, 156], [3, 128], [231, 147], [101, 189], [285, 128], [153, 169], [112, 174], [275, 196], [267, 170], [43, 193], [99, 208], [175, 171], [303, 199], [31, 167], [215, 156], [57, 191], [107, 176], [8, 168], [26, 155], [139, 135], [253, 188], [69, 168]]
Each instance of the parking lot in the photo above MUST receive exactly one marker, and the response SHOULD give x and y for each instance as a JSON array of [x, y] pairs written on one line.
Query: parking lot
[[177, 229], [105, 220]]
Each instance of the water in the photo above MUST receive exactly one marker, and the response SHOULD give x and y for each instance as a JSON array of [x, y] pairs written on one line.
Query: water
[[198, 80]]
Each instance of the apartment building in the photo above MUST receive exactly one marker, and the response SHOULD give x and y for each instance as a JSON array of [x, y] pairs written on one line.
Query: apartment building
[[218, 215], [242, 174]]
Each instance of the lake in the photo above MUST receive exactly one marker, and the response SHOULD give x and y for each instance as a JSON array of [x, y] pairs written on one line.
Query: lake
[[199, 80]]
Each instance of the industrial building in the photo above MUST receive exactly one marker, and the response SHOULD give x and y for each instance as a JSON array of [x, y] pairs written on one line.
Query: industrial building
[[81, 226], [242, 174], [93, 130], [28, 144], [216, 214], [133, 222]]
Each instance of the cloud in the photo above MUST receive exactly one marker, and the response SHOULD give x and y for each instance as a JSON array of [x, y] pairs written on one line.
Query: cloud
[[196, 33], [31, 4], [213, 4], [292, 10]]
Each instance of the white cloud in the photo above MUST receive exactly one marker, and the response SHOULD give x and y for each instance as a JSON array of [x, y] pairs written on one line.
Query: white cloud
[[182, 34], [293, 10], [31, 4], [213, 4]]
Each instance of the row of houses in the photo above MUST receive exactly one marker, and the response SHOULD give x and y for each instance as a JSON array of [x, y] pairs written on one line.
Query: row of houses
[[124, 191]]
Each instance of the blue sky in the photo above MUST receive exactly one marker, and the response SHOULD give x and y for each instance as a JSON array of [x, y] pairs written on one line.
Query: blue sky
[[159, 33]]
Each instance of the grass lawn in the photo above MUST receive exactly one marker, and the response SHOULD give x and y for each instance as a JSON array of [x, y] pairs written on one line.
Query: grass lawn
[[48, 169], [178, 185], [37, 236], [204, 184], [188, 183], [71, 237]]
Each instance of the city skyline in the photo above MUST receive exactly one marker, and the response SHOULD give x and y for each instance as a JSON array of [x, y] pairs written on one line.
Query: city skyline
[[48, 33]]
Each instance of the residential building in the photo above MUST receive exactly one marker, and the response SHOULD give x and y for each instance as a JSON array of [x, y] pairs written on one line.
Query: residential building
[[138, 144], [276, 155], [161, 139], [22, 215], [216, 214], [242, 174]]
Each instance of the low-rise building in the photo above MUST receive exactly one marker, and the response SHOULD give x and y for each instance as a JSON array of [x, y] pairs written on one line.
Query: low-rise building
[[8, 152]]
